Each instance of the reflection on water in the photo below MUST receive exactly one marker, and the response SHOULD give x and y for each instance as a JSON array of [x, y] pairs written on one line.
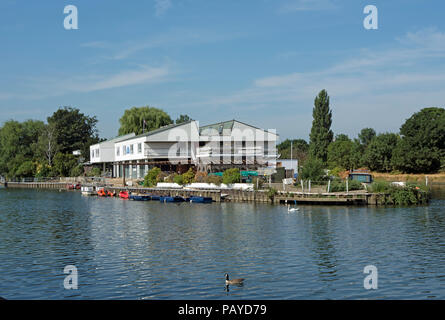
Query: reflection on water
[[150, 250]]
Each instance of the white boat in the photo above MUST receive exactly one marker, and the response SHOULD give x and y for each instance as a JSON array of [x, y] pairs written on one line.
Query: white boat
[[88, 191]]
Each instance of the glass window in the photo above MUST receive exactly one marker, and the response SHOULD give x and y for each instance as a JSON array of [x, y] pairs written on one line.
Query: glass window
[[117, 151], [131, 149], [139, 147], [124, 150]]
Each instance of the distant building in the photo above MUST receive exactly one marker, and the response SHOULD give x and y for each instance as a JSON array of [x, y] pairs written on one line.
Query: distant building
[[179, 146]]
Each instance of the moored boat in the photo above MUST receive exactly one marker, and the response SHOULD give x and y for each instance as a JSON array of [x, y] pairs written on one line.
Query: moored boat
[[175, 199], [140, 197], [88, 191], [124, 195], [201, 199]]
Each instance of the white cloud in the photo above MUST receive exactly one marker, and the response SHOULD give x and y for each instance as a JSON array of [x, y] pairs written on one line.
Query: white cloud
[[161, 7]]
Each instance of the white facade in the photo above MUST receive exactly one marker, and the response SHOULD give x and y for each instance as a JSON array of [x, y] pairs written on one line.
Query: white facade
[[226, 143]]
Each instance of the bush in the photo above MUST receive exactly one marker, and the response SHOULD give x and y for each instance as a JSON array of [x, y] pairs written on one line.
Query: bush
[[217, 180], [95, 172], [161, 177], [258, 181], [189, 176], [313, 169], [150, 178], [77, 171], [64, 163], [26, 169], [231, 176], [340, 186], [271, 193], [179, 179]]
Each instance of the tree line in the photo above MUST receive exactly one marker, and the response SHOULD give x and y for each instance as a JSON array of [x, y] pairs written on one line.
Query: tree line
[[34, 148], [419, 146]]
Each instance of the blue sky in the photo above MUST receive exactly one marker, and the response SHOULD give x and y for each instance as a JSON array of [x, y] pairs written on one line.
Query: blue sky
[[261, 62]]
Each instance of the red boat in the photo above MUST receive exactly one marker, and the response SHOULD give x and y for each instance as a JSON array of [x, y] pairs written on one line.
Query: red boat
[[124, 195]]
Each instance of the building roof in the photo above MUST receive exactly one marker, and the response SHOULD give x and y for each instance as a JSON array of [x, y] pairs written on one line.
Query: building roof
[[220, 127], [116, 139], [161, 129]]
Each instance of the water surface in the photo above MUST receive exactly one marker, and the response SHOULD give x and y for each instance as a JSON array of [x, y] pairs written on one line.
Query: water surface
[[148, 250]]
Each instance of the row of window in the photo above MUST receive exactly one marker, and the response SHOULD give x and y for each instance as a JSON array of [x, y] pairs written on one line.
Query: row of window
[[128, 149]]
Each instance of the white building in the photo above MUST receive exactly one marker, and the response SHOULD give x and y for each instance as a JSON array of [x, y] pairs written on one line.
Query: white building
[[179, 146]]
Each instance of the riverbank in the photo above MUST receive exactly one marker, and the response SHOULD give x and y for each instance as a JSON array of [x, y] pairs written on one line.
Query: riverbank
[[359, 197]]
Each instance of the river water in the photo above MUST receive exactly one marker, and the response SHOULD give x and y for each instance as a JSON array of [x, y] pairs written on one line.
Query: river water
[[149, 250]]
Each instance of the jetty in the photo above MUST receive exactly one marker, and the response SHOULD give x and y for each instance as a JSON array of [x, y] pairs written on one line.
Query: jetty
[[359, 198]]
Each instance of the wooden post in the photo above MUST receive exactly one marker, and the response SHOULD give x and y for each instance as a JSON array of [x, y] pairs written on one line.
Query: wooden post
[[347, 186], [309, 185], [302, 185], [329, 186]]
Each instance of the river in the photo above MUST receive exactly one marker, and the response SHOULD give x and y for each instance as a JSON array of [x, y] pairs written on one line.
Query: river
[[149, 250]]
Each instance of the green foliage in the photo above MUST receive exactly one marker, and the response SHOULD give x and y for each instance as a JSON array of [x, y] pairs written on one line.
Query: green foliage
[[73, 130], [300, 149], [340, 185], [26, 169], [397, 195], [378, 154], [63, 164], [422, 147], [313, 169], [258, 183], [231, 176], [150, 178], [77, 171], [183, 118], [94, 172], [188, 176], [133, 120], [179, 179], [321, 134], [339, 152], [366, 135], [271, 193], [217, 180]]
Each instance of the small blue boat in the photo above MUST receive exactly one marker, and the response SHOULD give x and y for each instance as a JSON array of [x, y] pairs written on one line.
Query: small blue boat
[[171, 199], [200, 199], [155, 197], [140, 197]]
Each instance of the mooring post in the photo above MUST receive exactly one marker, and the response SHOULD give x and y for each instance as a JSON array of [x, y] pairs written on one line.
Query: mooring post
[[329, 186]]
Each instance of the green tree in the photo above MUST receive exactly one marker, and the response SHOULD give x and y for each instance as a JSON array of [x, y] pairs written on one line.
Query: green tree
[[340, 153], [64, 164], [231, 176], [422, 147], [133, 120], [366, 135], [313, 169], [183, 118], [378, 154], [73, 130], [300, 149], [321, 134]]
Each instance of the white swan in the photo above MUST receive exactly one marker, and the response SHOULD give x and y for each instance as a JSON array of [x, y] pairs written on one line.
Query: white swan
[[289, 209]]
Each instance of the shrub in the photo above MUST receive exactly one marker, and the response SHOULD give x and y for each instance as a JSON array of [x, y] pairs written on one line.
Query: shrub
[[257, 181], [214, 179], [179, 179], [150, 178], [340, 186], [161, 176], [95, 172], [189, 176], [313, 169], [271, 193], [231, 176], [77, 171]]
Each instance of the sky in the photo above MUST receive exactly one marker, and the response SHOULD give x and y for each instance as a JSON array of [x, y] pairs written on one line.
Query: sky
[[257, 61]]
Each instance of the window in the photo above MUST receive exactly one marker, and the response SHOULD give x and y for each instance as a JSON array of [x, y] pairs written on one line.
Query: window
[[97, 153], [92, 153], [139, 147], [117, 151], [131, 149], [124, 150]]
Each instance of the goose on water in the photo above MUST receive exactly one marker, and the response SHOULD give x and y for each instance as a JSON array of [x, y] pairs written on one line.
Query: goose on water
[[234, 281]]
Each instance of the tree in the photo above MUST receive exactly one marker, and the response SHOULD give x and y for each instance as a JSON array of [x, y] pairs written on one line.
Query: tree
[[313, 169], [133, 120], [73, 130], [47, 145], [300, 149], [231, 176], [422, 147], [183, 118], [366, 135], [340, 152], [378, 155], [64, 164], [321, 134]]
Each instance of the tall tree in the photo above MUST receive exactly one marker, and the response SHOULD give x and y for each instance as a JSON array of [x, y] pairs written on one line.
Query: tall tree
[[340, 152], [366, 135], [300, 149], [73, 130], [321, 134], [422, 147], [133, 120]]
